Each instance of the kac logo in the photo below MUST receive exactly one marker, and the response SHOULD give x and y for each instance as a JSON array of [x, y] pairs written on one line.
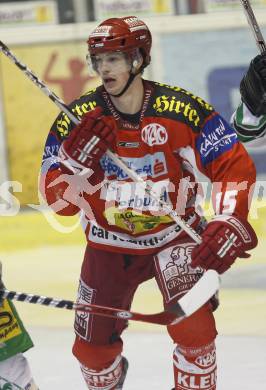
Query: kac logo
[[154, 134]]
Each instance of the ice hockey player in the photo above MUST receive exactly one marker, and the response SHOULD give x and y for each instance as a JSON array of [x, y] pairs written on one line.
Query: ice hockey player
[[15, 373], [163, 133]]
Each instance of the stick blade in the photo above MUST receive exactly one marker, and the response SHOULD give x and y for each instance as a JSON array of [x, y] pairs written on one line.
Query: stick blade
[[203, 290]]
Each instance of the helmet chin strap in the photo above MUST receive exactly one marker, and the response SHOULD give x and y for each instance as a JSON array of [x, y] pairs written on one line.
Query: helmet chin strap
[[129, 81], [134, 71]]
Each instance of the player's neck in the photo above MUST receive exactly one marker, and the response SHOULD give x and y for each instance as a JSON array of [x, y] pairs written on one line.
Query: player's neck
[[131, 101]]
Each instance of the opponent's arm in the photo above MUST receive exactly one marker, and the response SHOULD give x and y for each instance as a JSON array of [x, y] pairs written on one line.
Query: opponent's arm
[[249, 119]]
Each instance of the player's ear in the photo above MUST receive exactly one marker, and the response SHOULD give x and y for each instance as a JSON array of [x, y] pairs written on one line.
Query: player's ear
[[137, 62]]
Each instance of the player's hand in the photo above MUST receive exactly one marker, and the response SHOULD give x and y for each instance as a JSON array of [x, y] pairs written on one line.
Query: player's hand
[[253, 86], [224, 239], [87, 142]]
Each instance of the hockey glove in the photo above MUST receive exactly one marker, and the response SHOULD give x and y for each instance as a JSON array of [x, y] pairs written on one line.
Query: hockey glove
[[87, 142], [253, 86], [224, 239]]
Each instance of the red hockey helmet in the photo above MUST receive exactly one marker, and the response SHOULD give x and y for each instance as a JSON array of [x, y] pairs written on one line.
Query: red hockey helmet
[[121, 34]]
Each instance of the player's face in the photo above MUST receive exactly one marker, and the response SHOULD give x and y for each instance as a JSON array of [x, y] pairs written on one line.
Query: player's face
[[113, 68]]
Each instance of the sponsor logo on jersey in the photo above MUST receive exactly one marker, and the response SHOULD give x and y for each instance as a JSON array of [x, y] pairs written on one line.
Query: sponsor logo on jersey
[[63, 123], [83, 108], [152, 165], [125, 144], [178, 276], [133, 221], [216, 138], [51, 147], [198, 99], [83, 320], [50, 150], [154, 134], [9, 326], [99, 235], [133, 195], [172, 104]]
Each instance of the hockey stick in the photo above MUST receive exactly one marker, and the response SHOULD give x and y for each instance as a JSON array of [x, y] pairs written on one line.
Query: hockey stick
[[254, 25], [202, 291], [120, 163]]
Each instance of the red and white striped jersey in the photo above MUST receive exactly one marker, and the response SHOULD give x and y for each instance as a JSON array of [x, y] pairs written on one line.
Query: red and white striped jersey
[[175, 136]]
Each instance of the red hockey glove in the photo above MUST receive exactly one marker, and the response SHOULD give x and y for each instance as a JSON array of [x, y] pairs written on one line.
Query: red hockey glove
[[87, 142], [224, 239]]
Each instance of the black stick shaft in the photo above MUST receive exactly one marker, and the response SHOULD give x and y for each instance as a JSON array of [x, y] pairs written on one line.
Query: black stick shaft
[[254, 25], [37, 299], [162, 318]]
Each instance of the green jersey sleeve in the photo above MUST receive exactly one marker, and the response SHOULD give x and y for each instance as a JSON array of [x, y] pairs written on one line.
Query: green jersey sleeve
[[248, 126]]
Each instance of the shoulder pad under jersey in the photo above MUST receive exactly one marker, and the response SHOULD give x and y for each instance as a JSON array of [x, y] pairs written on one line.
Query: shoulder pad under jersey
[[85, 103]]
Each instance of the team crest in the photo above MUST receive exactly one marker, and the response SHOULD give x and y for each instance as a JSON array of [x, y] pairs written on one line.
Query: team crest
[[154, 134]]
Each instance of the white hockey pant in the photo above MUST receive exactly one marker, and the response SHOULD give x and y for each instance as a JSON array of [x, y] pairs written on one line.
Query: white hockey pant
[[15, 373]]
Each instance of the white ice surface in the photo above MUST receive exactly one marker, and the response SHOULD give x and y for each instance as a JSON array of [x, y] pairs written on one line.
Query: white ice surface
[[241, 360]]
